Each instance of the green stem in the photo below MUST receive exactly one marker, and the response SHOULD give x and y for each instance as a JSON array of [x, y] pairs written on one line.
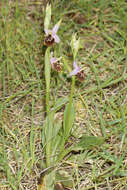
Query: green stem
[[69, 109], [72, 90], [48, 125], [47, 78], [70, 105], [47, 101]]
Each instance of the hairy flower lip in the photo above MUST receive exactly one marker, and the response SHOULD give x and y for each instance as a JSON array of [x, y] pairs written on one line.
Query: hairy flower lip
[[49, 40], [81, 76]]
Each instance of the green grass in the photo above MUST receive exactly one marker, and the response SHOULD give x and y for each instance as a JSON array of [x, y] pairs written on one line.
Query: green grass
[[100, 101]]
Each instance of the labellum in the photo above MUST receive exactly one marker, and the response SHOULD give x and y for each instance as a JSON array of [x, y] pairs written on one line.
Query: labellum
[[49, 40], [81, 76], [57, 66]]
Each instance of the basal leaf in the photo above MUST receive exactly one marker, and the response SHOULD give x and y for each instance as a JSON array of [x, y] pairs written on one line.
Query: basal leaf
[[89, 142], [41, 184], [47, 134], [46, 182], [65, 178], [51, 139], [69, 116], [59, 103]]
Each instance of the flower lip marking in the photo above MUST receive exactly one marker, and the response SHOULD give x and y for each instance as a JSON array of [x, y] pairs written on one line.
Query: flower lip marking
[[81, 76], [57, 66], [49, 40]]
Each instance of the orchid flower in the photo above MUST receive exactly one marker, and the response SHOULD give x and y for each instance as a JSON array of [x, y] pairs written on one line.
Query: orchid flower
[[53, 59], [75, 70], [53, 32], [78, 72], [55, 62]]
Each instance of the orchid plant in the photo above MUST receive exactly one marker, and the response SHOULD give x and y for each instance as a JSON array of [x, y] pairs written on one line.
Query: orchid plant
[[56, 134]]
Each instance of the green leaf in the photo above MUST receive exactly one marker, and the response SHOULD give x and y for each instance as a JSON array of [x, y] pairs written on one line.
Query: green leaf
[[69, 116], [56, 140], [60, 103], [64, 152], [51, 139], [47, 17], [121, 173], [47, 77], [47, 137], [58, 23], [64, 177], [89, 142], [46, 182], [47, 68]]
